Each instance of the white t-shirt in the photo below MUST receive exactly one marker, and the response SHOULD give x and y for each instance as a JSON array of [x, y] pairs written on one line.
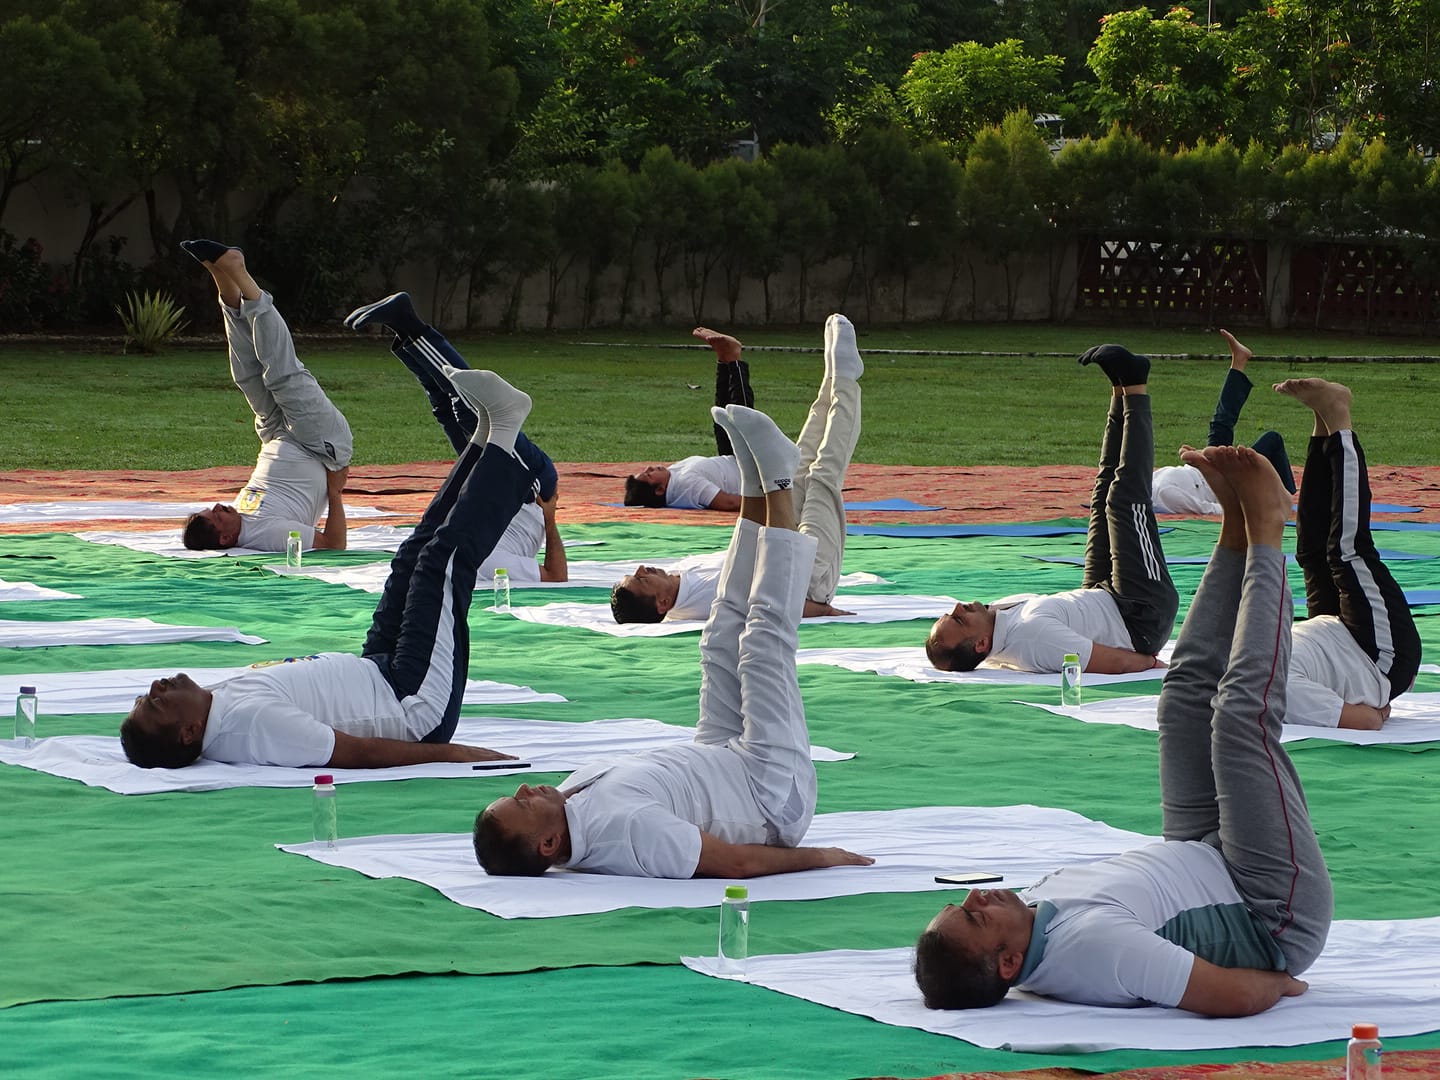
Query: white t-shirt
[[699, 582], [287, 713], [1182, 489], [1327, 670], [517, 548], [695, 481], [1035, 633], [642, 817], [1125, 931], [287, 493]]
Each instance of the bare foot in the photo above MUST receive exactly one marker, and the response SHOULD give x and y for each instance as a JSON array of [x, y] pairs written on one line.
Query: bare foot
[[727, 348], [1329, 401], [1239, 354], [1263, 498], [1219, 483]]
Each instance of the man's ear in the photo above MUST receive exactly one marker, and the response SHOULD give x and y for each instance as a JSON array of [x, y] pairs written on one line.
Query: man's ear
[[191, 732], [664, 604], [982, 645], [1009, 963], [549, 844]]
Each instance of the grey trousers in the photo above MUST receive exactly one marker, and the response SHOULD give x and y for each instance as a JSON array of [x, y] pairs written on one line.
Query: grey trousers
[[1224, 778], [1122, 549], [287, 401], [827, 442]]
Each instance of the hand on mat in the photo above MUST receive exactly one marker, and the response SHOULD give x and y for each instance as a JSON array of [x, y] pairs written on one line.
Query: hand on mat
[[1294, 987], [815, 610], [478, 753], [834, 856]]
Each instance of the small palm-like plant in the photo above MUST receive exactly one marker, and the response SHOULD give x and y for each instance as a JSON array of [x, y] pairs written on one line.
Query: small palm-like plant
[[150, 319]]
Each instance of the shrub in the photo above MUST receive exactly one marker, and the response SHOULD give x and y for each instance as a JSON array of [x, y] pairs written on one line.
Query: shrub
[[150, 319]]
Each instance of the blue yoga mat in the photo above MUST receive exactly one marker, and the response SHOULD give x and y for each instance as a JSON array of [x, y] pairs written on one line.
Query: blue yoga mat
[[1413, 597], [1391, 508], [889, 504], [1397, 526]]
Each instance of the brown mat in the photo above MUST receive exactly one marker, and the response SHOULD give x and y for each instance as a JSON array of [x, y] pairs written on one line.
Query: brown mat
[[975, 494], [1402, 1063]]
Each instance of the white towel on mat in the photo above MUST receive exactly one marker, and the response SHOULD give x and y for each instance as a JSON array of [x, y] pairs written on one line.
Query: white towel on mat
[[909, 662], [1387, 969], [1414, 718], [29, 634], [25, 590], [597, 617], [127, 509], [910, 847], [64, 693], [539, 746], [379, 538]]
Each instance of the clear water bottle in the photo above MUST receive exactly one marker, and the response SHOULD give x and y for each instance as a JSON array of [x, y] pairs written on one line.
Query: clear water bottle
[[26, 706], [1362, 1055], [734, 931], [322, 813], [502, 589], [293, 553], [1070, 674]]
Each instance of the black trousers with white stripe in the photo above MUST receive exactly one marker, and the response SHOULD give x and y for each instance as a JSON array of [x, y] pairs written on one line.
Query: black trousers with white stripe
[[1122, 549], [1344, 575]]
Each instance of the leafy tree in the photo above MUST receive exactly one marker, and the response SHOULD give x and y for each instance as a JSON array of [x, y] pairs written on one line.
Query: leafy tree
[[745, 238], [1167, 78], [952, 94]]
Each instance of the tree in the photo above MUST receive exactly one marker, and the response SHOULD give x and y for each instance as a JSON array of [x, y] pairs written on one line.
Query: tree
[[1167, 78], [952, 94]]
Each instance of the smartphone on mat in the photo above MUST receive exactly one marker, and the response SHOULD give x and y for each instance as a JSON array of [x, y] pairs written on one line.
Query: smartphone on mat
[[972, 877]]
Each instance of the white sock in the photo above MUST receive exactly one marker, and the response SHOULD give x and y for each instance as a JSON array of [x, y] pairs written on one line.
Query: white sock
[[776, 457], [491, 395], [842, 355], [750, 483]]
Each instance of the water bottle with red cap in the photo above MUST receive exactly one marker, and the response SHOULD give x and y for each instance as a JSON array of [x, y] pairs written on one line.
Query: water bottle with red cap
[[1362, 1055], [322, 816]]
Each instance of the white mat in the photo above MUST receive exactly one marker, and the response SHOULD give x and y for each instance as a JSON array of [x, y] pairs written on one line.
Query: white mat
[[371, 576], [66, 693], [1389, 970], [541, 746], [96, 509], [1414, 718], [908, 662], [910, 847], [27, 634], [383, 538], [25, 590], [597, 617]]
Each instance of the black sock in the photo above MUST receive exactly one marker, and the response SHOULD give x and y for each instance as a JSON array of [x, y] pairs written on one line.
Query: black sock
[[205, 250]]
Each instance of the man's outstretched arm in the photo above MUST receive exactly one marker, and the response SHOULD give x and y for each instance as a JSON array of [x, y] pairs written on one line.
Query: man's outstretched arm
[[556, 566], [1105, 660], [721, 859], [1218, 991], [335, 535], [354, 752], [726, 501]]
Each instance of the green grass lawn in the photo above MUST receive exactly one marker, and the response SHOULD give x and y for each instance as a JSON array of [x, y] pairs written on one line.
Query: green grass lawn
[[77, 406]]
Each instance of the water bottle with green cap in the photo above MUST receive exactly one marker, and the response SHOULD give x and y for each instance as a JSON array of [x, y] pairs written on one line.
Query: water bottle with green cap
[[734, 932]]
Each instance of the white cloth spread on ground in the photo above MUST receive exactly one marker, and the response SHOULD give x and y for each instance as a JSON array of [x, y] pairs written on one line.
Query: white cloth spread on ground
[[370, 577], [1024, 843], [539, 746], [907, 662], [1381, 968], [597, 617], [126, 509], [1414, 718], [25, 590], [379, 538], [66, 693], [26, 634]]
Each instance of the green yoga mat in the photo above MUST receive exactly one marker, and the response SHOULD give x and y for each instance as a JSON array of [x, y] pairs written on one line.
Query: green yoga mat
[[108, 897]]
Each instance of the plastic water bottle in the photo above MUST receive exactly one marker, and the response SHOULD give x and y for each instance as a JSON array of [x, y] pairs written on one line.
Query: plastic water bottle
[[322, 815], [293, 554], [26, 706], [1070, 680], [734, 931], [1362, 1055], [502, 589]]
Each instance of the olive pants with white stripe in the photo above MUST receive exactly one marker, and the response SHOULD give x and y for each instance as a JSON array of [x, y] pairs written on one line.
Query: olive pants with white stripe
[[1122, 549]]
